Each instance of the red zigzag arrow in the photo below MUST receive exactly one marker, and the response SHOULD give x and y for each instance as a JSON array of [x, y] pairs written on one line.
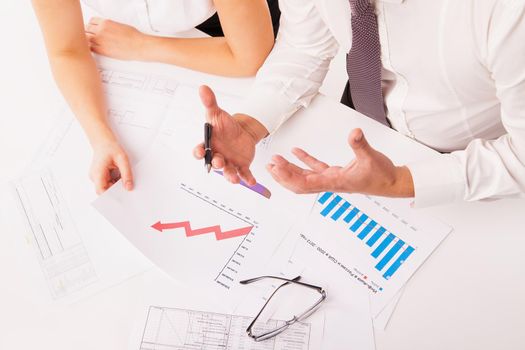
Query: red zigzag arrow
[[219, 234]]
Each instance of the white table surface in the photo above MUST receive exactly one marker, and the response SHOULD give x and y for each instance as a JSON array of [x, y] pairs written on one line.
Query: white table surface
[[469, 295]]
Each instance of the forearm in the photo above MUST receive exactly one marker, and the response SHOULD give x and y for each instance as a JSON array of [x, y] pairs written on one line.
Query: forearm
[[78, 79], [209, 55], [73, 67]]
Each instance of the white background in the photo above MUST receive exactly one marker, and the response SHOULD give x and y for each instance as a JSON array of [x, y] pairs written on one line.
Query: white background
[[469, 295]]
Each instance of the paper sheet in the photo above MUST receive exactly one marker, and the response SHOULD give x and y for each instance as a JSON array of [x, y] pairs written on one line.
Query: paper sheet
[[188, 329], [196, 226], [372, 242], [346, 314], [78, 251], [382, 319], [193, 322]]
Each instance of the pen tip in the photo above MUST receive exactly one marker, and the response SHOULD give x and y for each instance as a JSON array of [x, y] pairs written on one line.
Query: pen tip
[[208, 168]]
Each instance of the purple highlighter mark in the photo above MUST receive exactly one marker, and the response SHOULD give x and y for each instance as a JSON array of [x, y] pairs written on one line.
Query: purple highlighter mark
[[258, 188]]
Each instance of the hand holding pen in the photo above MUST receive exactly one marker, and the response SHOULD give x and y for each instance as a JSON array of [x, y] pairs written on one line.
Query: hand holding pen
[[233, 145]]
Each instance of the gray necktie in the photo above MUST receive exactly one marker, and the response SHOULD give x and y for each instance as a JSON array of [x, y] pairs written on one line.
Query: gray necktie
[[363, 62]]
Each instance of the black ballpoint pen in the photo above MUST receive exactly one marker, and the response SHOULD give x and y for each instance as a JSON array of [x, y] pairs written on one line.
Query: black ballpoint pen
[[207, 146]]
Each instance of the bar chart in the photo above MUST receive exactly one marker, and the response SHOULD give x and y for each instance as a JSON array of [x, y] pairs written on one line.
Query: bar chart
[[389, 251]]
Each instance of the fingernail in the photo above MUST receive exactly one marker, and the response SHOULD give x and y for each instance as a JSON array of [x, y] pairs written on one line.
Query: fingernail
[[358, 138], [129, 185]]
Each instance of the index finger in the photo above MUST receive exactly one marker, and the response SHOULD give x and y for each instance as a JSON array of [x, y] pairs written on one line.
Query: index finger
[[198, 151], [312, 162], [126, 173]]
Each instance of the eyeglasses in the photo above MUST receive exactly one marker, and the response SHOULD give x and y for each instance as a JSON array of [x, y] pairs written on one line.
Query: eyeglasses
[[297, 318]]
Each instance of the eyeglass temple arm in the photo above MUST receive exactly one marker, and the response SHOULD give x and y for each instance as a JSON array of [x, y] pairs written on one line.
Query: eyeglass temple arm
[[294, 280], [255, 279]]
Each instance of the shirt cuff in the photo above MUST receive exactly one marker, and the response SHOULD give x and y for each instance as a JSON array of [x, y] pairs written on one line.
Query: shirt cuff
[[437, 180], [269, 108]]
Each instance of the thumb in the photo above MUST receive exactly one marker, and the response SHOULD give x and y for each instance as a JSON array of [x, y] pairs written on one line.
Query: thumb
[[359, 145], [124, 167], [209, 101]]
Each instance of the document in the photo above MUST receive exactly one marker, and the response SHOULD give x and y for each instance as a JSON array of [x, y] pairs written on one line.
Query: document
[[373, 242], [79, 253], [194, 319], [137, 109], [54, 195], [61, 252], [382, 319], [197, 227], [190, 329], [346, 313]]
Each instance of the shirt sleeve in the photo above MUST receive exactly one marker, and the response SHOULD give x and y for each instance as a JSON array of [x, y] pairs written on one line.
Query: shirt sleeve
[[487, 169], [296, 67]]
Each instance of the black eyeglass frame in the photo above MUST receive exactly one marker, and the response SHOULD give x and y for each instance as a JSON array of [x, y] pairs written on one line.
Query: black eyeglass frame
[[288, 323]]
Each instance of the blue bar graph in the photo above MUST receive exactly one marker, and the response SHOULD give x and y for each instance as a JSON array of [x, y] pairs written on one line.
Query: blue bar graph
[[402, 258], [340, 211], [367, 230], [381, 247], [375, 236], [388, 256], [351, 215], [385, 238], [359, 222], [325, 197], [331, 205]]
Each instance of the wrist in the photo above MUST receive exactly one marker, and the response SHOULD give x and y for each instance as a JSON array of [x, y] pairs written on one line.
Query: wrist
[[143, 46], [403, 185], [100, 135], [252, 126]]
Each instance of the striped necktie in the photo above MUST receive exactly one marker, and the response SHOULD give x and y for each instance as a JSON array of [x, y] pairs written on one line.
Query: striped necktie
[[363, 62]]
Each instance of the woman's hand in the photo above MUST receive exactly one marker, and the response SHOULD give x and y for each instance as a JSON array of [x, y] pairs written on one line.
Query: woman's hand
[[114, 39], [110, 163]]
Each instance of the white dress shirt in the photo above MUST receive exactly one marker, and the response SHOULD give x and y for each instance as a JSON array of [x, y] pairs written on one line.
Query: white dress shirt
[[162, 17], [453, 79]]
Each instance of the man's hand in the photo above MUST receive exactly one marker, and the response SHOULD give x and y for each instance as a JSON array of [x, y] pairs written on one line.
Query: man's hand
[[233, 140], [114, 39], [371, 172]]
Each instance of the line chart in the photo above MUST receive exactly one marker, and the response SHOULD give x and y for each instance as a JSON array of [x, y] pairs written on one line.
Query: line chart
[[219, 233]]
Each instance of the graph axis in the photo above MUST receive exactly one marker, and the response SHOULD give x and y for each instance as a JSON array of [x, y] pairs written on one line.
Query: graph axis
[[184, 188]]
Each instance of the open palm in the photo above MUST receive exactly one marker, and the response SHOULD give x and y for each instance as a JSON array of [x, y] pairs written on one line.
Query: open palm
[[370, 172]]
